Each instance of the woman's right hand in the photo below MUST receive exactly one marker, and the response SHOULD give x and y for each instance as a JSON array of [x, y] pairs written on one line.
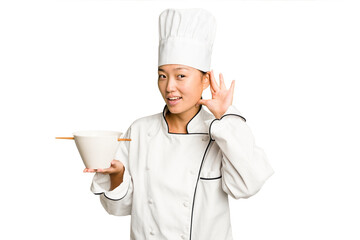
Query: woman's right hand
[[115, 171], [115, 168]]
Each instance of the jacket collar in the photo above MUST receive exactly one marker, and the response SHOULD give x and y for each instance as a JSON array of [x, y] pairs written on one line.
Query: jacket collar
[[196, 123]]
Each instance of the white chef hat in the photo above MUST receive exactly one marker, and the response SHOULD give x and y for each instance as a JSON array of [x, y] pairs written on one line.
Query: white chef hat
[[186, 37]]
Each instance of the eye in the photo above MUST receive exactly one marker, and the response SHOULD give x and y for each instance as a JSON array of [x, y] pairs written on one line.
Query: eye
[[161, 75], [181, 75]]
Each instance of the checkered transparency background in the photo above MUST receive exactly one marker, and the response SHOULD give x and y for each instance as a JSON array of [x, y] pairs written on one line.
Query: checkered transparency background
[[78, 65]]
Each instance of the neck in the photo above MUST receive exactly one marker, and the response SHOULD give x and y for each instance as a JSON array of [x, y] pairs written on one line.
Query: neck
[[177, 121]]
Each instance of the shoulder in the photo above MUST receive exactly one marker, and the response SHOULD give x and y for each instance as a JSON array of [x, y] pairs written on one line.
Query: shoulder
[[146, 122]]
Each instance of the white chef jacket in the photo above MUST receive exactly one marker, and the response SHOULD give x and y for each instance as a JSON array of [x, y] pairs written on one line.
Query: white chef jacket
[[176, 185]]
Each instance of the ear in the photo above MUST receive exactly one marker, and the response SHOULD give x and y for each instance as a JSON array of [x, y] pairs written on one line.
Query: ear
[[206, 80]]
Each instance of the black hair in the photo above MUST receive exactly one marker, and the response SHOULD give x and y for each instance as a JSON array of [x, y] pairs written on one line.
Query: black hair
[[203, 73]]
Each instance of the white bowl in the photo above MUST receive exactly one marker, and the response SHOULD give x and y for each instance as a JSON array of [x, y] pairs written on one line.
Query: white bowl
[[97, 148]]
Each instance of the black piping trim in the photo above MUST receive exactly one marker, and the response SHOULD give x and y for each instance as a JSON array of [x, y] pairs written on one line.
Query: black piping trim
[[230, 114], [192, 209], [186, 124], [187, 130], [210, 178], [111, 198]]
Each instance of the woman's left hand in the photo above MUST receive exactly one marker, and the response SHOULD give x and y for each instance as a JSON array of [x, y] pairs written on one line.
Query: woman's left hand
[[221, 97]]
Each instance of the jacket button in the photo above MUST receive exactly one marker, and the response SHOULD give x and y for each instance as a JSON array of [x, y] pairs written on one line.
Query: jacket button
[[182, 236], [205, 138], [150, 201], [186, 204], [152, 232], [192, 172]]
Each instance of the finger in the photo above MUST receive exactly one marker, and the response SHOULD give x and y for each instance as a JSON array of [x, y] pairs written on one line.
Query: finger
[[212, 89], [213, 82], [202, 101], [232, 87], [222, 82], [115, 165], [104, 170], [113, 162]]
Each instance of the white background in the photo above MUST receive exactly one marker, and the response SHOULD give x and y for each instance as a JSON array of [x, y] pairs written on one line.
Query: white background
[[77, 65]]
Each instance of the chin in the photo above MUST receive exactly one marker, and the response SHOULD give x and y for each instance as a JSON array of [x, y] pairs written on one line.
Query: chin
[[174, 110], [178, 109]]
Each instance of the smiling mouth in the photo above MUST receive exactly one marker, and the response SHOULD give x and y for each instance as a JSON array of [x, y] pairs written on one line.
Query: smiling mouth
[[173, 101], [174, 98]]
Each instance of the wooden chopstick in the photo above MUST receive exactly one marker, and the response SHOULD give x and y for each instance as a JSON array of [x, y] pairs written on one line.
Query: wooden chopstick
[[119, 139]]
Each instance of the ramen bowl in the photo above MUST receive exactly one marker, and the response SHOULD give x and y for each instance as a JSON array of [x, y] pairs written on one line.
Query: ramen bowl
[[97, 148]]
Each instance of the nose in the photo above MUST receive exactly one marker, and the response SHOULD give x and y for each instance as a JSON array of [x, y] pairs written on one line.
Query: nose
[[171, 85]]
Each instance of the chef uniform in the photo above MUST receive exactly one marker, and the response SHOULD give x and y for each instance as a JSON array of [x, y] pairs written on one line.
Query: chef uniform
[[176, 185]]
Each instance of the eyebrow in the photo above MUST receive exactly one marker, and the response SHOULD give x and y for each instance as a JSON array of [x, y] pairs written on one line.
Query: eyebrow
[[178, 68]]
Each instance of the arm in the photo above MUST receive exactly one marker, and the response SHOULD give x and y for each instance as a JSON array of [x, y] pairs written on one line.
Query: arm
[[116, 190], [245, 167]]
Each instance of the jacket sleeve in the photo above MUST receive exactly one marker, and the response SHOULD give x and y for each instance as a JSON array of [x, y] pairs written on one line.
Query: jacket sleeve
[[118, 201], [245, 166]]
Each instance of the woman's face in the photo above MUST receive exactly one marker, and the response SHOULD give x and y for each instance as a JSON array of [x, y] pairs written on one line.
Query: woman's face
[[181, 86]]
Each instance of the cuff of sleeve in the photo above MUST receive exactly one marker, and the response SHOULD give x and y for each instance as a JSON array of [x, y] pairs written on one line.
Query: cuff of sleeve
[[213, 124], [101, 185], [232, 110]]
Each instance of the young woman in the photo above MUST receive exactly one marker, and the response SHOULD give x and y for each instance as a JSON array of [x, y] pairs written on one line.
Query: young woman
[[175, 176]]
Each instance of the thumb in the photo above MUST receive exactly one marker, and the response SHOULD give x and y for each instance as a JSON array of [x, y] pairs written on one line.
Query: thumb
[[202, 101]]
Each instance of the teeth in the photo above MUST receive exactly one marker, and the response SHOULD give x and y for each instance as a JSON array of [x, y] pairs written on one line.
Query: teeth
[[174, 98]]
